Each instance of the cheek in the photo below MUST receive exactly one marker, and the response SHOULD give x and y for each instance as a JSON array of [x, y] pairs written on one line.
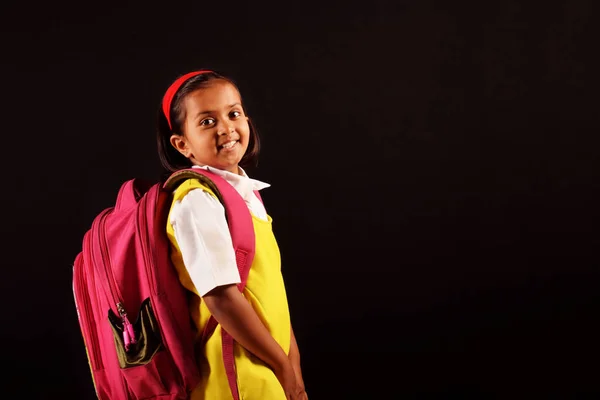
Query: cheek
[[246, 129]]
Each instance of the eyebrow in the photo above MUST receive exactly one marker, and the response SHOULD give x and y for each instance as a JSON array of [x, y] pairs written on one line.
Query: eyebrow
[[211, 111]]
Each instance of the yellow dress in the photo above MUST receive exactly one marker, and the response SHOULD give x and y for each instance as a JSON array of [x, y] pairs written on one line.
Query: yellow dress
[[265, 291]]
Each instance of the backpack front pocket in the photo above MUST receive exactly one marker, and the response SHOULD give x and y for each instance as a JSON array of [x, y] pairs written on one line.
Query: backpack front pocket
[[145, 365]]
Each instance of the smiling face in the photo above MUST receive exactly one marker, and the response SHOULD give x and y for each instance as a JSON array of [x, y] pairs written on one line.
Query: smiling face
[[215, 131]]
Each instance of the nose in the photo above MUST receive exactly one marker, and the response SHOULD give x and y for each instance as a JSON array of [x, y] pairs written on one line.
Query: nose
[[225, 128]]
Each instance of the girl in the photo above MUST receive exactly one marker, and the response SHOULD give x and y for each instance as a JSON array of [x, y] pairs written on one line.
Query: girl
[[202, 124]]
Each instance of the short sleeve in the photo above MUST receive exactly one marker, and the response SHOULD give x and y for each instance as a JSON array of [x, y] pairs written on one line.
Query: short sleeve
[[204, 240]]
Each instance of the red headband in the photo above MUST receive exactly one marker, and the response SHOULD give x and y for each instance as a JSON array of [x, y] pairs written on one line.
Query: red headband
[[170, 93]]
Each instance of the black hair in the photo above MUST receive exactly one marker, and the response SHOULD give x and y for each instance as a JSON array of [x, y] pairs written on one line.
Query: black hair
[[170, 158]]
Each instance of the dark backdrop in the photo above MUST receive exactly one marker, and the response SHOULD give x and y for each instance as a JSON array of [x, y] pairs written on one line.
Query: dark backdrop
[[434, 171]]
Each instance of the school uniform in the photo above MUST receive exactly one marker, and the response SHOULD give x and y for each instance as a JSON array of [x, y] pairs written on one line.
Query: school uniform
[[202, 252]]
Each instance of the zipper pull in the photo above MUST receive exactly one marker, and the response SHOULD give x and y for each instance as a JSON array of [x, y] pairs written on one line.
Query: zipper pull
[[128, 333]]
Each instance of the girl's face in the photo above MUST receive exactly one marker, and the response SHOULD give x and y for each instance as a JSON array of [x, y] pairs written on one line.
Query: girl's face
[[215, 130]]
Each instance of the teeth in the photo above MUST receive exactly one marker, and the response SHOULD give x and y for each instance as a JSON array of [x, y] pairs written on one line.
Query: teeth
[[229, 145]]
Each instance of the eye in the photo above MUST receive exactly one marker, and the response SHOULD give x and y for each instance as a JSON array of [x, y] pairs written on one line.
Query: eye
[[207, 121], [235, 114]]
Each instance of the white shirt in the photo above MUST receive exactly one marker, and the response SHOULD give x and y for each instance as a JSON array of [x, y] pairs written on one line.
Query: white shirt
[[202, 232]]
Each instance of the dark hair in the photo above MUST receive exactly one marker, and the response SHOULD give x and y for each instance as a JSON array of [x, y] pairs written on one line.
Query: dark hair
[[171, 159]]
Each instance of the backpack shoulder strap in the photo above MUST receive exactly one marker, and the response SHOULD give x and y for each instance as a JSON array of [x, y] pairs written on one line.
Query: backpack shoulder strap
[[259, 197]]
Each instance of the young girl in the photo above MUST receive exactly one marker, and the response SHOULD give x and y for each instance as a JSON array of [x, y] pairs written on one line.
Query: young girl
[[202, 124]]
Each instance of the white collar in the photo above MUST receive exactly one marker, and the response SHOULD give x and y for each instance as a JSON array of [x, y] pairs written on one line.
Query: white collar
[[242, 183]]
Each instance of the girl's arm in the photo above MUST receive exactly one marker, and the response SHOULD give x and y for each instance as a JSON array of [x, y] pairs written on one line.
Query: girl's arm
[[294, 357], [231, 309]]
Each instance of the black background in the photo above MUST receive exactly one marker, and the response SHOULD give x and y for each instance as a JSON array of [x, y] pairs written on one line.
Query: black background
[[434, 171]]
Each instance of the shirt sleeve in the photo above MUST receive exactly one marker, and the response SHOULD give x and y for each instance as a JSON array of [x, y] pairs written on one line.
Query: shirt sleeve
[[203, 237]]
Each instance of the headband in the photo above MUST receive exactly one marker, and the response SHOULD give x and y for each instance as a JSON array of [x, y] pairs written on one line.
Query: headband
[[170, 93]]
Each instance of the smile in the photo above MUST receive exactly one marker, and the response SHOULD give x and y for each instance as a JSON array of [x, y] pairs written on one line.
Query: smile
[[228, 145]]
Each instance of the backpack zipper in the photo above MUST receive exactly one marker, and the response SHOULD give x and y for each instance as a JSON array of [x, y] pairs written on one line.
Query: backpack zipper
[[141, 227], [93, 348], [128, 333]]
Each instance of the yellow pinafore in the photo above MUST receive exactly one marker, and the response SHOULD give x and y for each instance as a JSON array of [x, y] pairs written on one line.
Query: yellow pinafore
[[265, 291]]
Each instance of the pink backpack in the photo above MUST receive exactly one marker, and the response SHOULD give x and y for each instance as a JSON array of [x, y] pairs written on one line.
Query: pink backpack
[[132, 309]]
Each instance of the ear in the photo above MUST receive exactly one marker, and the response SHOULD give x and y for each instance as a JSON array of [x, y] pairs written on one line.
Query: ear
[[180, 144]]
